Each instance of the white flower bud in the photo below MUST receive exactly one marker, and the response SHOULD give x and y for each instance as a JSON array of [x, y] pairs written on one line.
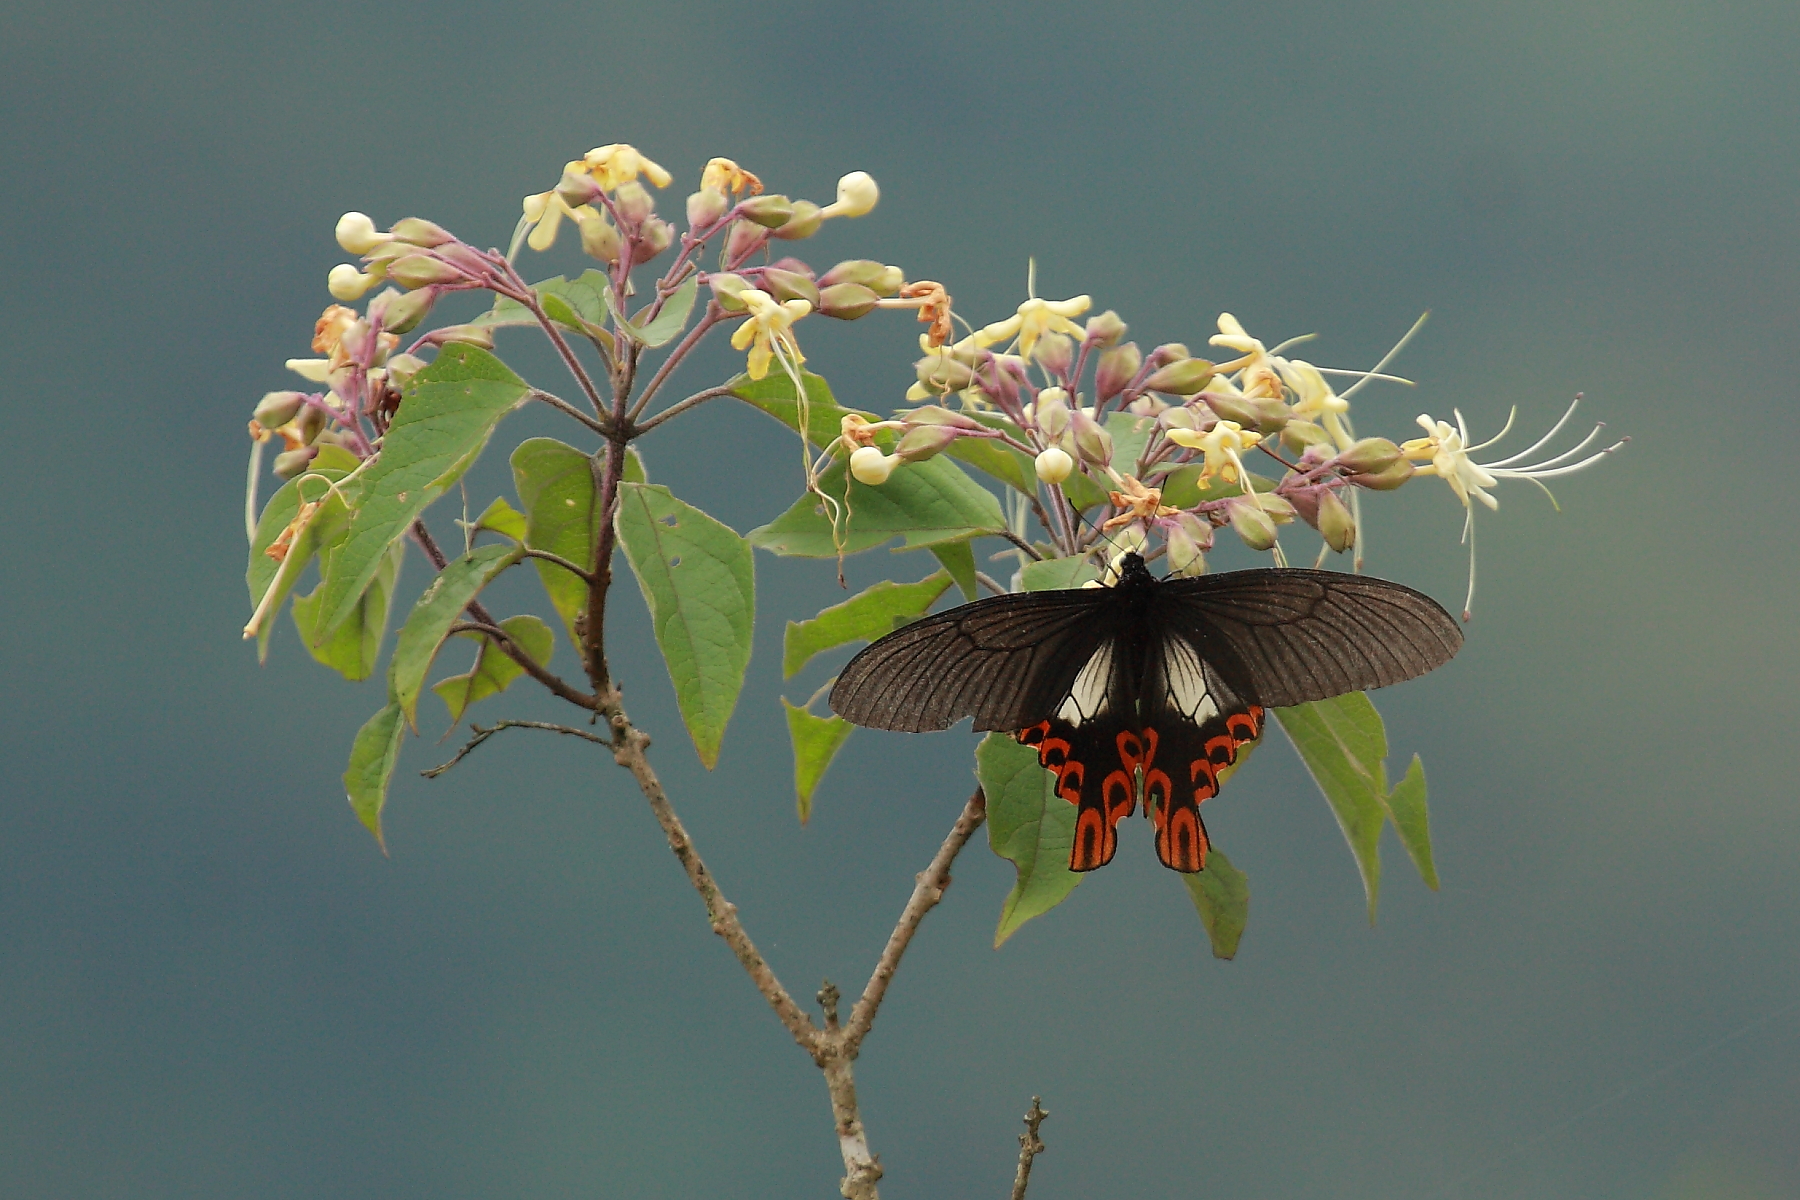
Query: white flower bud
[[347, 283], [871, 466], [856, 196], [357, 234], [1054, 466]]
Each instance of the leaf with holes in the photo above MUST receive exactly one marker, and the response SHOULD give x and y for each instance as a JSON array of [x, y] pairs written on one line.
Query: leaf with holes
[[1030, 826], [699, 579]]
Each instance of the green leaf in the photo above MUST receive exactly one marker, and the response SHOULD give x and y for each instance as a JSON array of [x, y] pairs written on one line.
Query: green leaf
[[816, 741], [922, 503], [1130, 434], [578, 302], [372, 757], [1342, 743], [634, 467], [1055, 574], [673, 318], [354, 647], [870, 614], [1082, 492], [1406, 809], [494, 670], [1030, 826], [1181, 487], [699, 579], [1012, 467], [437, 608], [559, 488], [958, 558], [503, 519], [326, 527], [774, 394], [448, 413], [1221, 895]]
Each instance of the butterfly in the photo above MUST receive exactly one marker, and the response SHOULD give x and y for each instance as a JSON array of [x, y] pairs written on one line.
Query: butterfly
[[1149, 687]]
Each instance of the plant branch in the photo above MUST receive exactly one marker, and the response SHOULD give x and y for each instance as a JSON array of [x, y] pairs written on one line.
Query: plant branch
[[1021, 543], [928, 889], [990, 583], [560, 561], [713, 315], [681, 406], [1030, 1146], [482, 735], [563, 406]]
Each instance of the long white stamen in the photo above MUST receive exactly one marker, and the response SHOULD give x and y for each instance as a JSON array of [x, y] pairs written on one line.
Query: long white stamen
[[1365, 375], [1545, 440], [1293, 341], [1511, 416], [1560, 459], [1469, 536], [1388, 357]]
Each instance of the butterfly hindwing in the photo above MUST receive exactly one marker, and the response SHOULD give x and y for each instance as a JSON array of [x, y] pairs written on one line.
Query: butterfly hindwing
[[1096, 765]]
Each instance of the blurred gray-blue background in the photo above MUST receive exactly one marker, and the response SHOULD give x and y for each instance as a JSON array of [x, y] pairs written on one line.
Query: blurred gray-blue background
[[213, 985]]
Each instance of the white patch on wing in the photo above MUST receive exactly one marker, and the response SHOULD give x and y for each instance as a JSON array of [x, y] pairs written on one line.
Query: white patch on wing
[[1087, 698], [1185, 677]]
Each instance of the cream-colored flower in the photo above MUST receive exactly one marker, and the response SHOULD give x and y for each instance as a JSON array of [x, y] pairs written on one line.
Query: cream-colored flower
[[357, 234], [1223, 445], [620, 163], [1314, 399], [1259, 377], [869, 465], [345, 282], [857, 194], [1446, 447], [767, 330], [1032, 321], [726, 177]]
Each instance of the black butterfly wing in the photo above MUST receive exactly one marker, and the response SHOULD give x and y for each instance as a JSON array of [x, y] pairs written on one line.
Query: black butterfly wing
[[1006, 661], [1285, 636]]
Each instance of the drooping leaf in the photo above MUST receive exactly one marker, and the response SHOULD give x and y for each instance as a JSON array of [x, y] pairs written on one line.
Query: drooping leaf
[[870, 614], [437, 608], [372, 757], [503, 519], [923, 503], [1030, 826], [958, 558], [449, 411], [494, 670], [326, 527], [816, 742], [354, 647], [673, 318], [560, 491], [774, 394], [1055, 574], [1342, 742], [1221, 895], [1406, 808], [699, 579]]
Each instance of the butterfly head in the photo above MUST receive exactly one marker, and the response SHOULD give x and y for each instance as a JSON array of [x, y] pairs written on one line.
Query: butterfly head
[[1133, 572]]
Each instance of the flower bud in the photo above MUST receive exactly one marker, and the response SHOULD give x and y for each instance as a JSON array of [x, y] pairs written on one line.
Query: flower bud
[[357, 234], [1265, 414], [600, 240], [1181, 378], [728, 290], [924, 441], [846, 301], [871, 466], [1370, 456], [745, 238], [1054, 466], [656, 236], [939, 372], [1105, 329], [1092, 442], [857, 194], [879, 278], [462, 335], [1299, 436], [308, 424], [290, 463], [416, 231], [804, 222], [1252, 524], [634, 202], [936, 414], [345, 282], [1168, 352], [422, 270], [1050, 412], [1055, 352], [1387, 480], [1188, 537], [771, 212], [1116, 369], [789, 285], [1335, 523], [401, 312], [277, 408], [705, 208], [402, 367]]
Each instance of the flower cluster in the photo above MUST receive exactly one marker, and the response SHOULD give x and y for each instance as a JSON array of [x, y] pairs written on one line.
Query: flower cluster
[[1167, 446]]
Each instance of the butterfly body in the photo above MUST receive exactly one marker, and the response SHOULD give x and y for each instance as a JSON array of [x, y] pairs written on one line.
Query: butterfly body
[[1147, 689]]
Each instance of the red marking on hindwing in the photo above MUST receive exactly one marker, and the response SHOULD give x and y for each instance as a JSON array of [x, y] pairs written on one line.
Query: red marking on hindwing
[[1095, 841], [1181, 841]]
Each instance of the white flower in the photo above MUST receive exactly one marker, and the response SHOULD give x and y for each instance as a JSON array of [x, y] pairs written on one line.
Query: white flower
[[871, 466], [1054, 466], [1450, 456], [857, 194], [357, 234], [345, 282]]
